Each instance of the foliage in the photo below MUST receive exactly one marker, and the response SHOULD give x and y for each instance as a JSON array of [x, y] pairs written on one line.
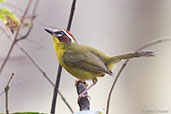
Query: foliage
[[4, 13], [2, 0], [9, 19]]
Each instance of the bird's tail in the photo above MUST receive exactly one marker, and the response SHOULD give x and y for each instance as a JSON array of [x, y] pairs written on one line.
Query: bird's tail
[[142, 53]]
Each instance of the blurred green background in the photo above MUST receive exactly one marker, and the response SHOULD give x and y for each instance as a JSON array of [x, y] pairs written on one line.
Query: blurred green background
[[112, 26]]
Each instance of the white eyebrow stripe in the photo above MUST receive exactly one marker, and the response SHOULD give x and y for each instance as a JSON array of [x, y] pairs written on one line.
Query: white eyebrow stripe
[[72, 40], [56, 30]]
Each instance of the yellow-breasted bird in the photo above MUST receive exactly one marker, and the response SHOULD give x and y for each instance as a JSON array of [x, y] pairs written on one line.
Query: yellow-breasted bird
[[84, 62]]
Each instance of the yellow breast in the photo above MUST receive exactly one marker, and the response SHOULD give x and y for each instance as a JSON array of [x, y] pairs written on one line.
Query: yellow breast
[[59, 49]]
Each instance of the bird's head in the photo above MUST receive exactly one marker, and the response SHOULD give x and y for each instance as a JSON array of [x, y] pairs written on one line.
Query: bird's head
[[61, 35]]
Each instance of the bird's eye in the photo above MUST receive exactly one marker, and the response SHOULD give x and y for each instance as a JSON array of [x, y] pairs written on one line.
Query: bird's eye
[[59, 33]]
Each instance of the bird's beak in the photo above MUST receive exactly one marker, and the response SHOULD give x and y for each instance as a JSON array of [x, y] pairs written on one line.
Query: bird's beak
[[49, 30]]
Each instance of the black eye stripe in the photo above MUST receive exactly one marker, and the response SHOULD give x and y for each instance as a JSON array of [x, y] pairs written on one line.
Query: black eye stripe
[[59, 33]]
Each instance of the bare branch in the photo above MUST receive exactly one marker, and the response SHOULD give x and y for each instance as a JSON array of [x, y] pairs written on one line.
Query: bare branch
[[126, 62], [6, 92], [16, 36], [71, 15]]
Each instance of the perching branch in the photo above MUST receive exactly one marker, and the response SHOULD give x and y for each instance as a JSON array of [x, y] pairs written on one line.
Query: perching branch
[[83, 102], [6, 93], [16, 35], [126, 62], [55, 93]]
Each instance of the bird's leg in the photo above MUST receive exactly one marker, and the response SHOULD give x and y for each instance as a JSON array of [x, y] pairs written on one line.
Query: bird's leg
[[84, 92]]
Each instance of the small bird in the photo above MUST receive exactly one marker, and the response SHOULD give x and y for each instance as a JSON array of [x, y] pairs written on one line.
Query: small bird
[[84, 62]]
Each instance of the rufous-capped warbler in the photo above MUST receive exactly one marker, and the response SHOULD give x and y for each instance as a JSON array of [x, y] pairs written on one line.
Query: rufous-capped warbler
[[84, 62]]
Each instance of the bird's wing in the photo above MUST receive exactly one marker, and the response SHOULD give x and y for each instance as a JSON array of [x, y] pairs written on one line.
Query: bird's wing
[[87, 61]]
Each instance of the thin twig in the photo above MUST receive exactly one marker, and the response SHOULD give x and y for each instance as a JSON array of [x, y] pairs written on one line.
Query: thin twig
[[6, 93], [39, 68], [16, 36], [166, 39], [126, 62], [31, 21], [55, 93]]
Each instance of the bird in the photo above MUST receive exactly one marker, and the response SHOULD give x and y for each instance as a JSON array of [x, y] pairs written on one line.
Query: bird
[[85, 62]]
